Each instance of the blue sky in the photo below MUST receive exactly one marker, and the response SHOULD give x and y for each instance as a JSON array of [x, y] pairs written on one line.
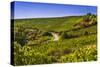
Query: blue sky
[[43, 10]]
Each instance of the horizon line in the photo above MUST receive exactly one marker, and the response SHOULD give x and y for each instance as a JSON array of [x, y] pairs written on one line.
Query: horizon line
[[48, 17]]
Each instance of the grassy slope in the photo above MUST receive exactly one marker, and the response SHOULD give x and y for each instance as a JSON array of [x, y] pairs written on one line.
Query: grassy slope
[[56, 49], [56, 24]]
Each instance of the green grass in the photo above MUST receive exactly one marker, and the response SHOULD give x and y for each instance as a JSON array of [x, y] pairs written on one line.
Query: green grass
[[46, 24], [32, 47]]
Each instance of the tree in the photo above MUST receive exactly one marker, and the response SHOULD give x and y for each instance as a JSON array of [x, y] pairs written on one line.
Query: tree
[[20, 36]]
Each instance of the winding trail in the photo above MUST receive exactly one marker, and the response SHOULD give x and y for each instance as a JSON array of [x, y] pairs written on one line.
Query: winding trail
[[56, 36]]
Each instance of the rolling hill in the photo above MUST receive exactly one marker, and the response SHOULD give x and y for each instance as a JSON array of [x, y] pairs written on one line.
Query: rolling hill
[[34, 42]]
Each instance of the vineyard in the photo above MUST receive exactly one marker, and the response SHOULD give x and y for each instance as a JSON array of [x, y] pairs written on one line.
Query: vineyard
[[34, 41]]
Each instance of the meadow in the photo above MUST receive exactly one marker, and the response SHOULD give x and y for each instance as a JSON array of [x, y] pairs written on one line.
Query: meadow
[[55, 40]]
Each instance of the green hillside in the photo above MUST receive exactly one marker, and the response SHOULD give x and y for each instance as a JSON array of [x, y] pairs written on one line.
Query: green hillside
[[35, 40]]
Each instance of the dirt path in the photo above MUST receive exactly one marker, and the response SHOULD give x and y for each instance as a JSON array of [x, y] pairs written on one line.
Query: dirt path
[[56, 36]]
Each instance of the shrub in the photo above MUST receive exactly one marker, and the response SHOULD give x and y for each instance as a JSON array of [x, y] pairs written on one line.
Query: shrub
[[64, 35], [88, 53]]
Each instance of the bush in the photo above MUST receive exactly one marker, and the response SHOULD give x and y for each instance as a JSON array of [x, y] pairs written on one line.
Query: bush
[[26, 55], [46, 34], [88, 53], [86, 33], [64, 35]]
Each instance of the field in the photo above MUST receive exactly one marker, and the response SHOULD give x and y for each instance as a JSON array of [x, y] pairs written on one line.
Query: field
[[55, 40]]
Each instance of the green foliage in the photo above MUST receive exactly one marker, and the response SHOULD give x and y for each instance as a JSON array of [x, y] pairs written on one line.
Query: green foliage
[[85, 33], [20, 36], [26, 55], [82, 54], [33, 42], [64, 35], [90, 18], [47, 34]]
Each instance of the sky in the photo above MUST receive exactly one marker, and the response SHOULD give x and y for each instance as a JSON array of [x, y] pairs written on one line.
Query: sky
[[21, 10]]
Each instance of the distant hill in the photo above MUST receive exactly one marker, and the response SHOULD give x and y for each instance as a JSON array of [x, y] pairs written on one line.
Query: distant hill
[[53, 24]]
